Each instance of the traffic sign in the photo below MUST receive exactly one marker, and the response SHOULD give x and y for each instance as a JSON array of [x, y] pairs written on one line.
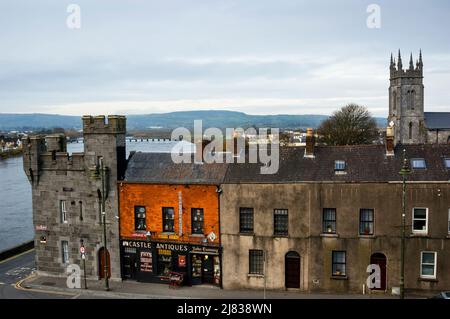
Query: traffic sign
[[82, 250]]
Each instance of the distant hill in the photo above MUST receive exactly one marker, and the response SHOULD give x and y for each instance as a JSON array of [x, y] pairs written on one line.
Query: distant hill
[[220, 119]]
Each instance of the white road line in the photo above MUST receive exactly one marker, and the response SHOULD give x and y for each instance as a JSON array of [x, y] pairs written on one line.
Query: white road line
[[76, 296]]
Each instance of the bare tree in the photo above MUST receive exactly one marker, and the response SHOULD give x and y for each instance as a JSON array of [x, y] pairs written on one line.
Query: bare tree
[[351, 125]]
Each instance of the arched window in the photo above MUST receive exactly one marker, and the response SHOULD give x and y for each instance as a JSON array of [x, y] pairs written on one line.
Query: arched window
[[410, 130], [394, 101]]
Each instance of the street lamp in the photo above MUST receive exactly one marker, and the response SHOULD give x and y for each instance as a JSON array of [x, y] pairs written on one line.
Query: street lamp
[[404, 172], [105, 254]]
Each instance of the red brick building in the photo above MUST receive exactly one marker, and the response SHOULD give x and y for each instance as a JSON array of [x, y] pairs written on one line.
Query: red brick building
[[169, 220]]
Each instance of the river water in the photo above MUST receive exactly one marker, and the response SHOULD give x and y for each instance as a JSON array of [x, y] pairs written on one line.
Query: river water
[[16, 218]]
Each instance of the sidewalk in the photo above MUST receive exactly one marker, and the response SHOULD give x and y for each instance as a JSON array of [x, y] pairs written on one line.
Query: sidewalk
[[138, 290]]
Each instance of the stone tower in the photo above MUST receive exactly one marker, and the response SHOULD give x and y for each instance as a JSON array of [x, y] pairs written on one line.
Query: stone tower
[[67, 198], [406, 101]]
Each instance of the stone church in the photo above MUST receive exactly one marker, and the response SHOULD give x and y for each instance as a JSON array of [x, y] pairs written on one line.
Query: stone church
[[412, 125]]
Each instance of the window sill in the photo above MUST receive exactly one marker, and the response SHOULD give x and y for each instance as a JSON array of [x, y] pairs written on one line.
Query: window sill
[[197, 235], [167, 233], [418, 235], [331, 235], [366, 236], [339, 277], [280, 236], [247, 234], [255, 275], [428, 279]]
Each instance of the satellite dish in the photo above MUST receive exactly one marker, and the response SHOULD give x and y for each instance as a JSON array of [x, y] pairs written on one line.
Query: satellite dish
[[391, 123]]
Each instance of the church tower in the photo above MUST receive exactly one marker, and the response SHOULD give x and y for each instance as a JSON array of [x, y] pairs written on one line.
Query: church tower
[[406, 101]]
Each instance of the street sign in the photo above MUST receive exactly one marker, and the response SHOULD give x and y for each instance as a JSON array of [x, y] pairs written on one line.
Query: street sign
[[82, 250], [83, 256]]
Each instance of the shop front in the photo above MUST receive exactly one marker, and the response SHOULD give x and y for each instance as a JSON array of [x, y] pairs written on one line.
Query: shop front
[[152, 261]]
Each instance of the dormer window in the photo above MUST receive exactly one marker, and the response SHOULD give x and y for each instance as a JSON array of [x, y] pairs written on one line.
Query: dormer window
[[418, 163], [447, 162], [339, 166]]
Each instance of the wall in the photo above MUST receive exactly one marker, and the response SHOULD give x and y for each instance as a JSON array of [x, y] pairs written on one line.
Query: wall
[[305, 202], [156, 196]]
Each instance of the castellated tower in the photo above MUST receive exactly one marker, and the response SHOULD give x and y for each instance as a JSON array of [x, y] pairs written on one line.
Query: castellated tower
[[67, 192], [406, 101]]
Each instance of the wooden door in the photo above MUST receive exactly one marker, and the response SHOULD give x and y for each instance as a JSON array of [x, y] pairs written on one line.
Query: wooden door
[[101, 263], [208, 269], [380, 259], [292, 270]]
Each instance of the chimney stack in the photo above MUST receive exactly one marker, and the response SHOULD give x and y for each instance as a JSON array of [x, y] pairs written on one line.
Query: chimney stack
[[389, 141], [310, 141]]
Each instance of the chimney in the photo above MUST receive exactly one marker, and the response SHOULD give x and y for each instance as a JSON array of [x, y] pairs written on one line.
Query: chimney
[[389, 141], [310, 141]]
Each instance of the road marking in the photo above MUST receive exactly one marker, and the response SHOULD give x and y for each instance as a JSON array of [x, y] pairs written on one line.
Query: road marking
[[2, 283], [14, 257], [76, 296], [18, 286]]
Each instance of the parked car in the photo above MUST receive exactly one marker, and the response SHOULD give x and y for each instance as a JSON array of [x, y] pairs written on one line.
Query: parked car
[[442, 295]]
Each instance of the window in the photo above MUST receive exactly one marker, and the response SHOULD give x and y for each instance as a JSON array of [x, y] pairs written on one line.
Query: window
[[410, 130], [197, 220], [329, 221], [63, 211], [366, 220], [447, 161], [168, 219], [339, 165], [139, 218], [65, 251], [339, 263], [246, 220], [449, 220], [420, 220], [81, 210], [280, 222], [256, 262], [428, 264], [418, 163]]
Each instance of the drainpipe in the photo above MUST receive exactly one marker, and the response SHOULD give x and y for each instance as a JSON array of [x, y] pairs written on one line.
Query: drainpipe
[[219, 192]]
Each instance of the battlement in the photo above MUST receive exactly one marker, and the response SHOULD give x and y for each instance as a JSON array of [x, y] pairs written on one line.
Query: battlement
[[62, 161], [397, 71], [113, 124]]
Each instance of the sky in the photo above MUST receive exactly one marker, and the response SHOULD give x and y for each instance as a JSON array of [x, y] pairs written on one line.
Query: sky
[[253, 56]]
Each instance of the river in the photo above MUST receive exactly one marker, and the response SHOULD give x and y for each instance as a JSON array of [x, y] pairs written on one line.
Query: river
[[16, 217]]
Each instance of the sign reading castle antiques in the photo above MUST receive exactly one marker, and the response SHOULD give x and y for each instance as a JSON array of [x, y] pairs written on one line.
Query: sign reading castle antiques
[[159, 246], [136, 244]]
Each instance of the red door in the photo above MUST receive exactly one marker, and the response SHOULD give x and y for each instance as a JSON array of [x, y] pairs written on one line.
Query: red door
[[292, 270], [380, 260], [101, 263]]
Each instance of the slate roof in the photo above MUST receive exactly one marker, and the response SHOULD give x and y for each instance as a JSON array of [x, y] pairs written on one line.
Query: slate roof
[[364, 163], [159, 168], [437, 120]]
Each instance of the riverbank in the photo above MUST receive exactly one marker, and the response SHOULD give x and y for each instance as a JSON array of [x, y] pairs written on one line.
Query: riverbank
[[10, 153]]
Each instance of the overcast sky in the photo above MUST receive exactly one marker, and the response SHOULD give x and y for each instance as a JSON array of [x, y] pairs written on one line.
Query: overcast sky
[[254, 56]]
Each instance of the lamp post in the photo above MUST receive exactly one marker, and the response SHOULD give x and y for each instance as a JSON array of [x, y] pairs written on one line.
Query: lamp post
[[404, 172], [105, 254]]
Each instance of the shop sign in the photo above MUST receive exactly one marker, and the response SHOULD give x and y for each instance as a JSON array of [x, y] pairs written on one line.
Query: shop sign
[[146, 261], [173, 247], [164, 236], [138, 235], [136, 244], [181, 260], [204, 250], [41, 227], [211, 236]]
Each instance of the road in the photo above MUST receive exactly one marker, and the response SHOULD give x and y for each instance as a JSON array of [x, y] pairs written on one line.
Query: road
[[16, 268]]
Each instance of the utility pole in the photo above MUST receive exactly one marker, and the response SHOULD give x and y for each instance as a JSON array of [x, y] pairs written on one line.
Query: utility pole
[[105, 251], [405, 171]]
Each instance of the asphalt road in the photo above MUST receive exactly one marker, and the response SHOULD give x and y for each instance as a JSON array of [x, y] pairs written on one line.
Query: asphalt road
[[16, 268]]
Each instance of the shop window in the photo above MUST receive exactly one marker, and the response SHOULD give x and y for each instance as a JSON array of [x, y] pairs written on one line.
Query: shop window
[[164, 262], [339, 263], [329, 221], [280, 222], [196, 268], [168, 219], [197, 220], [256, 262], [139, 218], [246, 220], [366, 221]]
